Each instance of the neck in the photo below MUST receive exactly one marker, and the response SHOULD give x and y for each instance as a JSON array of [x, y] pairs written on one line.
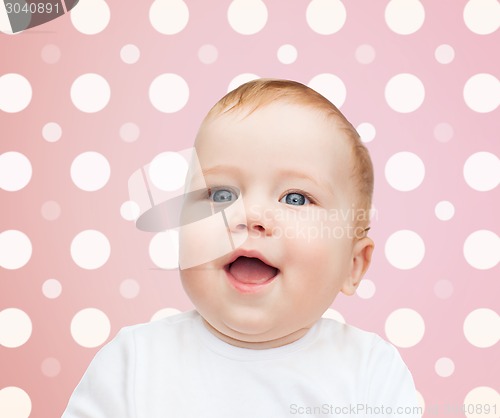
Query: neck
[[258, 345]]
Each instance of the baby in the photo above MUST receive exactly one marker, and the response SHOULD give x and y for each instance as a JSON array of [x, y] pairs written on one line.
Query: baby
[[293, 183]]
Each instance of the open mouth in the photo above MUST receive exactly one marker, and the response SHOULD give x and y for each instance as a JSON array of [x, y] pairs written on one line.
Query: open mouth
[[250, 273]]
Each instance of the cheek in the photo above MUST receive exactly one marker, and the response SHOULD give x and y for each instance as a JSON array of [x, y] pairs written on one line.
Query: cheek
[[203, 241], [196, 283], [318, 249], [209, 238], [312, 234]]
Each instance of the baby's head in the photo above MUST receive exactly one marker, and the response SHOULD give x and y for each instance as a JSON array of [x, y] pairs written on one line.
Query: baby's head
[[293, 185]]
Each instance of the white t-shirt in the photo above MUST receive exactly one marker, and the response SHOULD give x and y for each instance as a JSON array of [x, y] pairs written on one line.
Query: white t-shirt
[[176, 368]]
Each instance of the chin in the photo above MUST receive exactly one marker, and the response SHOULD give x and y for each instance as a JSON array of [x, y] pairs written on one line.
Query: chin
[[249, 324]]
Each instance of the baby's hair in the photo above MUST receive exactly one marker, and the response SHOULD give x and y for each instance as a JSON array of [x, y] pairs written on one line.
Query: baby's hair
[[262, 92]]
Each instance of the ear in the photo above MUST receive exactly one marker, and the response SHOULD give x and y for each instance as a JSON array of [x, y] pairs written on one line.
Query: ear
[[361, 257]]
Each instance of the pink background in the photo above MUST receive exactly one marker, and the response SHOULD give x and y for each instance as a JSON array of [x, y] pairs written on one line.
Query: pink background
[[451, 281]]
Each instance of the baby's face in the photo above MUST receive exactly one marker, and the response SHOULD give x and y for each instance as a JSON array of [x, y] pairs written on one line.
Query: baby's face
[[292, 228]]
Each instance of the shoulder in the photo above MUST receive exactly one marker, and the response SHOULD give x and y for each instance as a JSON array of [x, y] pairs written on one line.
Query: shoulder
[[137, 355], [145, 339], [377, 366], [352, 339], [383, 375], [365, 348]]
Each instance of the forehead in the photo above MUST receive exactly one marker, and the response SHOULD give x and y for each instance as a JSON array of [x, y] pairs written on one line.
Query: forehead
[[288, 128]]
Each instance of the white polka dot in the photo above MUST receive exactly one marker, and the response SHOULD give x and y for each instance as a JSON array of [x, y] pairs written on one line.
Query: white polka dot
[[330, 86], [169, 16], [443, 289], [164, 313], [52, 132], [404, 171], [326, 17], [90, 93], [51, 288], [129, 132], [130, 54], [168, 171], [90, 249], [15, 171], [482, 249], [333, 314], [169, 93], [404, 249], [444, 54], [444, 210], [90, 327], [14, 403], [404, 17], [241, 79], [482, 93], [365, 54], [15, 327], [247, 17], [50, 367], [90, 171], [444, 367], [15, 93], [482, 171], [164, 250], [443, 132], [482, 16], [51, 54], [404, 93], [287, 54], [404, 327], [51, 210], [366, 131], [482, 328], [130, 210], [477, 399], [208, 54], [91, 16], [15, 249], [366, 289], [129, 288]]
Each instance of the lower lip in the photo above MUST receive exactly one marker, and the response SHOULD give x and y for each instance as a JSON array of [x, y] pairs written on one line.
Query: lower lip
[[248, 287]]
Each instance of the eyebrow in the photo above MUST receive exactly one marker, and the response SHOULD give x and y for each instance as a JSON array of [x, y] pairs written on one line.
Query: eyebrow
[[300, 175], [220, 169]]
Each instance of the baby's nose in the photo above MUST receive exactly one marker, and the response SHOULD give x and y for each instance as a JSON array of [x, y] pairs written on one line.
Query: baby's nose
[[256, 218]]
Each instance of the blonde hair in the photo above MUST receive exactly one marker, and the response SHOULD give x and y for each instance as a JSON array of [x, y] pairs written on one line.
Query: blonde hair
[[262, 92]]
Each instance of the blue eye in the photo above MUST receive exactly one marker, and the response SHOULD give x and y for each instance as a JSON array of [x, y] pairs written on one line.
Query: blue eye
[[222, 195], [296, 199]]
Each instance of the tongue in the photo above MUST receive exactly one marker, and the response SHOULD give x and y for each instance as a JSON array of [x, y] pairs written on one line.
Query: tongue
[[251, 270]]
